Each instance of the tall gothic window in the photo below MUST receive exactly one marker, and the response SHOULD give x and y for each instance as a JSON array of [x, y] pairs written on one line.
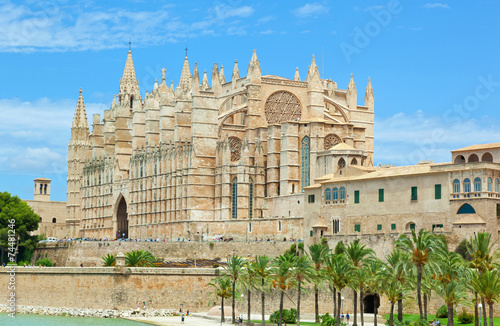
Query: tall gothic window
[[234, 199], [250, 198], [306, 157], [490, 184]]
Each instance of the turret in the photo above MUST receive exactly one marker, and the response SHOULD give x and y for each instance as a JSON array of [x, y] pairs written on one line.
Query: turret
[[352, 95], [253, 72], [236, 74], [297, 76], [369, 98]]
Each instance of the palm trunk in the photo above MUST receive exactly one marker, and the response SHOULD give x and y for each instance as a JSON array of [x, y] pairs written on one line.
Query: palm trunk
[[339, 303], [316, 304], [491, 313], [298, 304], [222, 310], [375, 312], [391, 316], [234, 304], [262, 299], [281, 307], [249, 294], [476, 311], [400, 307], [419, 291], [361, 307], [425, 306], [450, 315], [355, 315], [334, 301], [484, 313]]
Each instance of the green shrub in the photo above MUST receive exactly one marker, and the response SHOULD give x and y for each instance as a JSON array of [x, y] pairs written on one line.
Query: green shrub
[[465, 317], [44, 262], [289, 316], [419, 322], [22, 263], [442, 312], [11, 263], [328, 320], [396, 322], [211, 245]]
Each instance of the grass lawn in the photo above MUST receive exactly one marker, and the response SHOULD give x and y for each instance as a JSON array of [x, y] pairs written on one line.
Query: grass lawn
[[443, 321], [301, 323]]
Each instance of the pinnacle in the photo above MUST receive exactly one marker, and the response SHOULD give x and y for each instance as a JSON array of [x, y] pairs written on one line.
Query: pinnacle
[[80, 118], [129, 84], [185, 81]]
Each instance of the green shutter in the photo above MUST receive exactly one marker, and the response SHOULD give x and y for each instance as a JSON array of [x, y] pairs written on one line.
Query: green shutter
[[356, 196], [311, 233], [357, 228], [413, 193], [381, 195], [393, 226], [412, 226], [437, 191], [379, 227]]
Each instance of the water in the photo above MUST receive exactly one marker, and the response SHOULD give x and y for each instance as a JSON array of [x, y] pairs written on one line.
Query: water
[[39, 320]]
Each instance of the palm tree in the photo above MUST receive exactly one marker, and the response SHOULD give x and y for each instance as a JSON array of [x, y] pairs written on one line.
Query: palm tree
[[338, 270], [420, 247], [283, 277], [357, 253], [400, 261], [302, 271], [250, 278], [109, 260], [373, 282], [482, 257], [232, 270], [262, 268], [222, 289], [139, 258], [487, 286], [393, 288], [317, 253]]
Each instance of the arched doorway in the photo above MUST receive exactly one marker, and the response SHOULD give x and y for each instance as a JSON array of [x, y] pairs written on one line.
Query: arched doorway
[[122, 219], [370, 301]]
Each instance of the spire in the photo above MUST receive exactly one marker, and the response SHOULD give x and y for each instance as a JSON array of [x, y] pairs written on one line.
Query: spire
[[204, 83], [222, 78], [369, 98], [352, 94], [80, 118], [185, 81], [297, 76], [254, 67], [352, 84], [196, 78], [215, 79], [313, 77], [236, 74], [128, 84]]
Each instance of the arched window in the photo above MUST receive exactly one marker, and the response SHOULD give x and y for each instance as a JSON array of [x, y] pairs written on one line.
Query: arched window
[[234, 199], [456, 186], [487, 157], [467, 185], [477, 185], [354, 162], [54, 220], [342, 194], [328, 195], [466, 209], [490, 184], [473, 158], [459, 159], [496, 185], [305, 160], [250, 198], [341, 163], [335, 194]]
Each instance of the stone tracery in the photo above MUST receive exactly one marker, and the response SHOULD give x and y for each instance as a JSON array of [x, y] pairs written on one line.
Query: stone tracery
[[331, 140], [282, 106], [235, 145]]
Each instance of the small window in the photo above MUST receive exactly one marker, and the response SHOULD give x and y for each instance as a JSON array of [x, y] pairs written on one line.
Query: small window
[[467, 185], [490, 184], [477, 185], [342, 194], [279, 226], [381, 196], [54, 220], [379, 227], [412, 226], [356, 196], [357, 227], [249, 227], [437, 191], [311, 233], [414, 193], [328, 195], [393, 226], [456, 186], [335, 194], [310, 199]]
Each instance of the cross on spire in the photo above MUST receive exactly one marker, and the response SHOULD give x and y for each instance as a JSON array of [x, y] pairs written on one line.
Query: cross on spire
[[186, 50], [129, 45]]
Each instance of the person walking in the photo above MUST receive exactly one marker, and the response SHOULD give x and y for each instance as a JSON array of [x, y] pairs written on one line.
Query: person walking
[[347, 317]]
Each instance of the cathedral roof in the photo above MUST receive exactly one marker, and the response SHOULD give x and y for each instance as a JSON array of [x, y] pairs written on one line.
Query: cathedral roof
[[342, 146]]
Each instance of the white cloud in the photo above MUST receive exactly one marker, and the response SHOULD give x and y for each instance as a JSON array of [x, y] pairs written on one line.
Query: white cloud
[[267, 32], [409, 138], [310, 9], [436, 5], [35, 160], [265, 19]]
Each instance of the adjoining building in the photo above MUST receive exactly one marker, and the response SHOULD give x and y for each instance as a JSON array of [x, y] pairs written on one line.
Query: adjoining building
[[457, 198], [227, 159]]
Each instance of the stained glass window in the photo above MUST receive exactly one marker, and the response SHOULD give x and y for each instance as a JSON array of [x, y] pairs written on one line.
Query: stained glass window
[[234, 198], [250, 198], [305, 160]]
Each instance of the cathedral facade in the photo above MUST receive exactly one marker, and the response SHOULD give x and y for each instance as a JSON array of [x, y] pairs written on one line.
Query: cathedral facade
[[229, 158]]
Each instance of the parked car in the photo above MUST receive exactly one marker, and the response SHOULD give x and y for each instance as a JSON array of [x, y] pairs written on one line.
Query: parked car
[[51, 239]]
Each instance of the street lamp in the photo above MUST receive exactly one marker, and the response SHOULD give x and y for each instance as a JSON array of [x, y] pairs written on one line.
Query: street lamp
[[272, 316], [221, 316], [480, 306], [342, 305], [242, 295]]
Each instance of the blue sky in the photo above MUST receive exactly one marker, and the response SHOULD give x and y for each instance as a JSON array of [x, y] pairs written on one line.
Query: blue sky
[[434, 66]]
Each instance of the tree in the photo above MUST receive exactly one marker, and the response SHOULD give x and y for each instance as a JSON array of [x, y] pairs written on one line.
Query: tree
[[139, 258], [233, 270], [222, 289], [262, 267], [109, 260], [487, 285], [317, 253], [17, 221], [338, 270], [283, 277], [420, 246], [249, 281], [302, 271], [357, 253], [399, 261], [373, 282]]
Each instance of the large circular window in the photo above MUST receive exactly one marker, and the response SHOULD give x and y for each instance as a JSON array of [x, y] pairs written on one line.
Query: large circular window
[[282, 106]]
